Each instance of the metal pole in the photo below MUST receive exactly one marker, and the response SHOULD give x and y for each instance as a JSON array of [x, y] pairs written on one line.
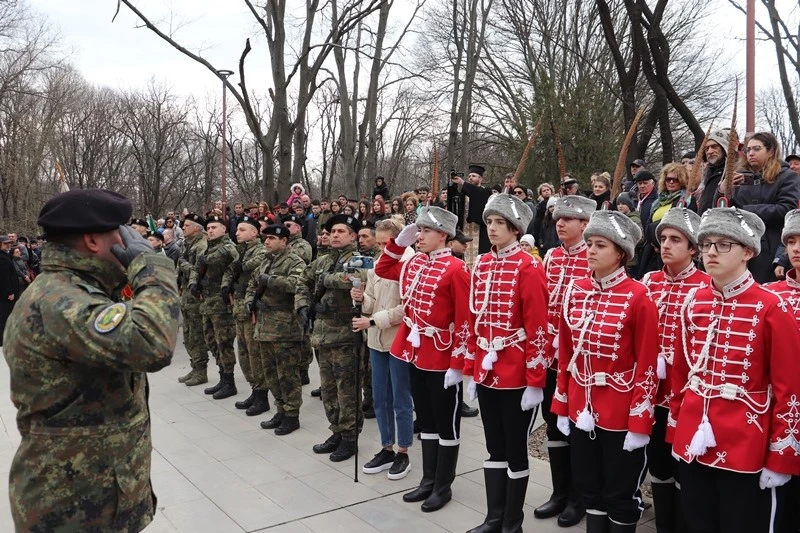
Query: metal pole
[[224, 73], [750, 90]]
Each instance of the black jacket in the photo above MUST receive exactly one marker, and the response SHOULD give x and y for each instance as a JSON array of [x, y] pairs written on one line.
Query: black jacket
[[383, 191], [9, 283], [771, 202], [710, 184], [478, 196]]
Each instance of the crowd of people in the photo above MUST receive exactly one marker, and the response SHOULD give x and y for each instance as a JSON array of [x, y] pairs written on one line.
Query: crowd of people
[[649, 329]]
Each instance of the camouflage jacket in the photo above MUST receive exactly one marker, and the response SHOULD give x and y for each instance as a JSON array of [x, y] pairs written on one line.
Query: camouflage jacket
[[251, 255], [275, 317], [78, 360], [333, 326], [220, 254], [191, 248], [301, 247]]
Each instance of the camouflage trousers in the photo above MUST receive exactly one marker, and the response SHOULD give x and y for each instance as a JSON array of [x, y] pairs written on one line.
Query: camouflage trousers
[[193, 337], [250, 355], [280, 362], [341, 398], [220, 331], [306, 353]]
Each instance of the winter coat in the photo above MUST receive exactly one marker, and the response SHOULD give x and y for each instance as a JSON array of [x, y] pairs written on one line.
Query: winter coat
[[383, 190], [710, 185], [771, 202], [293, 196], [383, 305]]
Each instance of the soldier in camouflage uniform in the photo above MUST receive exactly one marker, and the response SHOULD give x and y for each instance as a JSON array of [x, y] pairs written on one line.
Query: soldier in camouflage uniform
[[234, 289], [193, 246], [300, 247], [78, 359], [326, 286], [323, 249], [270, 298], [205, 283], [367, 245]]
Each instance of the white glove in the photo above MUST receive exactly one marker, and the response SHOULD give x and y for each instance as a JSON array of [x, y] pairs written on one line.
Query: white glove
[[563, 425], [770, 479], [532, 397], [472, 390], [408, 236], [452, 377], [634, 441]]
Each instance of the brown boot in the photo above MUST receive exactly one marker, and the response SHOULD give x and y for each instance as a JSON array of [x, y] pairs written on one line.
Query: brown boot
[[187, 377], [200, 377]]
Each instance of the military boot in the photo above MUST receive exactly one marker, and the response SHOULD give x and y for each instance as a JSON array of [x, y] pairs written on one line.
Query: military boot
[[200, 376], [288, 425], [246, 403], [260, 404], [215, 388], [443, 480], [187, 377], [330, 445], [495, 478], [513, 515], [345, 450], [273, 423], [228, 388], [430, 454]]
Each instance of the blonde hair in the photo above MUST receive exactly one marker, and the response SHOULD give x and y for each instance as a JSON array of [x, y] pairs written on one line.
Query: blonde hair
[[673, 168]]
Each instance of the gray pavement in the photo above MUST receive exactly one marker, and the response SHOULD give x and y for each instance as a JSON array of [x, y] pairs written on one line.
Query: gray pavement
[[214, 470]]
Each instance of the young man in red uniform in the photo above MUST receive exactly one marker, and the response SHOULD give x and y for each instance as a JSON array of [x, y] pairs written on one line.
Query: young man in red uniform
[[607, 376], [734, 412], [563, 265], [434, 287], [507, 357], [677, 235]]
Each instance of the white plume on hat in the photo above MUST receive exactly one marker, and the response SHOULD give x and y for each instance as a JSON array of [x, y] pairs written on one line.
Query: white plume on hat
[[574, 206], [738, 225], [681, 219], [511, 208], [615, 227], [438, 219]]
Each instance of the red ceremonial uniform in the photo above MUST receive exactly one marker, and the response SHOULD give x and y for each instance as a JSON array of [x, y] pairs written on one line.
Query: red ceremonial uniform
[[435, 292], [789, 290], [562, 266], [736, 364], [507, 294], [669, 293], [607, 359]]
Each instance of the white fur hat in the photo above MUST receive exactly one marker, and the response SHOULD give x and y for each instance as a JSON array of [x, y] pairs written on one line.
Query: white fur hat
[[741, 226], [681, 219], [615, 227], [438, 219], [574, 206], [791, 225], [510, 208]]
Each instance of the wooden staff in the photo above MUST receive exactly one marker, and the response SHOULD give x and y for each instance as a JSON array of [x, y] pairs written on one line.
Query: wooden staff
[[435, 171], [733, 148], [62, 179], [526, 153], [619, 171]]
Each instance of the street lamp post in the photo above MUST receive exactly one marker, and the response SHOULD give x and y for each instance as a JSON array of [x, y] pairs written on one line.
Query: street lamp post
[[750, 82], [224, 73]]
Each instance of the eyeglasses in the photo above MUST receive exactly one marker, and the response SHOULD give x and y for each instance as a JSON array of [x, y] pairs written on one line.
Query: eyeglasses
[[722, 247], [754, 149], [671, 179]]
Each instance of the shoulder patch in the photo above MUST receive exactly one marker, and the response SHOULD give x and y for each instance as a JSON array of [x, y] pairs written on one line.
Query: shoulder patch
[[110, 317]]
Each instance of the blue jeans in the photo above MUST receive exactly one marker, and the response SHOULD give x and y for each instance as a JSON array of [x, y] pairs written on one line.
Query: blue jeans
[[391, 397]]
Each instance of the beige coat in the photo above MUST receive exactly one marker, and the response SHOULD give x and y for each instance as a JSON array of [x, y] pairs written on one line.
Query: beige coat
[[383, 305]]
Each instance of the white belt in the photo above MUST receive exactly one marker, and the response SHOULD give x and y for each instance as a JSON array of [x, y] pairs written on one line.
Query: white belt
[[602, 379], [498, 343], [429, 331], [730, 392]]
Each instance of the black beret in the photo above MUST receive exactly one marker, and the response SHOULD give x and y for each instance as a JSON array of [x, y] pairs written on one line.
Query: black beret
[[366, 223], [197, 219], [139, 222], [348, 220], [215, 218], [292, 218], [643, 175], [155, 234], [276, 229], [84, 211], [476, 169], [250, 220], [283, 205]]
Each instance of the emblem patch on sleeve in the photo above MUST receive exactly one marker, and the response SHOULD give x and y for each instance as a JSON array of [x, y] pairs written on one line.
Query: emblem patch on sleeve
[[110, 317]]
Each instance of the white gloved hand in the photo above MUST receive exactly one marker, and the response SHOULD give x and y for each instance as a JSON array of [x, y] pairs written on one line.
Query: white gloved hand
[[472, 390], [407, 236], [770, 479], [634, 441], [563, 425], [532, 397], [452, 377]]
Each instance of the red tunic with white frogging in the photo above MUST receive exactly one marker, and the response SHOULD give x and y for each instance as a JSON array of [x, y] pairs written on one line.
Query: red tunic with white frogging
[[607, 359], [669, 293], [508, 343], [736, 379], [789, 290], [435, 292], [562, 266]]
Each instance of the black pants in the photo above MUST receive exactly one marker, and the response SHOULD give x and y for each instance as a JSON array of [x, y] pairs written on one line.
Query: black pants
[[506, 426], [438, 409], [662, 465], [5, 311], [720, 501], [553, 433], [606, 476]]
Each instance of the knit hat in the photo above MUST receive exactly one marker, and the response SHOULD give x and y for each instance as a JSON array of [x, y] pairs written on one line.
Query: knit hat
[[625, 199], [791, 225], [528, 239], [681, 219], [574, 206], [551, 202], [741, 226], [511, 208], [615, 227], [438, 219], [721, 138]]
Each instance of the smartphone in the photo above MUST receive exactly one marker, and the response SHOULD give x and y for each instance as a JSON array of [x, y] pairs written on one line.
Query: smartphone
[[749, 177]]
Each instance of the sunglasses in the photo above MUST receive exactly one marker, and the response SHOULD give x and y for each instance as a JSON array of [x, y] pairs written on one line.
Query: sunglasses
[[671, 179]]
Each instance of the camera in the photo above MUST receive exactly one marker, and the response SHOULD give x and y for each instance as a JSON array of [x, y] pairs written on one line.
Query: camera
[[360, 261]]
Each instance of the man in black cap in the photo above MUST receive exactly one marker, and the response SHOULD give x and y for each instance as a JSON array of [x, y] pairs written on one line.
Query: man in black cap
[[141, 226], [78, 359], [459, 244], [687, 160], [296, 241], [478, 196], [794, 162], [156, 240], [569, 186]]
